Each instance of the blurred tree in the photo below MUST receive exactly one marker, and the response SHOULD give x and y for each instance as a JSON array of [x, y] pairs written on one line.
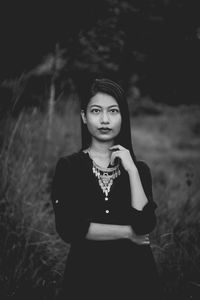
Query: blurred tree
[[156, 40], [52, 66]]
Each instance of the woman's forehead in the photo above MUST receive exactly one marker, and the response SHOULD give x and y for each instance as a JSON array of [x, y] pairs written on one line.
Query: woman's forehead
[[103, 100]]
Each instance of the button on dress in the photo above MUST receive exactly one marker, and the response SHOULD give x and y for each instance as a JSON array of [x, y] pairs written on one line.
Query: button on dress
[[103, 269]]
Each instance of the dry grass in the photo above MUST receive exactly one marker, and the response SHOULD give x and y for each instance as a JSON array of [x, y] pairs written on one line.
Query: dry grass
[[170, 143], [32, 256]]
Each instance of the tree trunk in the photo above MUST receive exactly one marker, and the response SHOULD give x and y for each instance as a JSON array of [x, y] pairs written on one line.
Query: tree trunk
[[51, 109]]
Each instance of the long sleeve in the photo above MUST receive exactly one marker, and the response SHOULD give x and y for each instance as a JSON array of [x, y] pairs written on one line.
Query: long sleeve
[[70, 222], [144, 221]]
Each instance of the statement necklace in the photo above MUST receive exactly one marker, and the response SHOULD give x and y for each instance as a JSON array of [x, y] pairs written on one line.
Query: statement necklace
[[105, 176]]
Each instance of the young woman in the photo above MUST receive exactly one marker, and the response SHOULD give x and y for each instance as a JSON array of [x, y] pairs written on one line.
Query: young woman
[[103, 203]]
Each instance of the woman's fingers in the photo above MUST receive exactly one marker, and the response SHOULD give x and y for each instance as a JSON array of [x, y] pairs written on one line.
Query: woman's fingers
[[141, 242], [113, 156], [141, 239], [119, 147]]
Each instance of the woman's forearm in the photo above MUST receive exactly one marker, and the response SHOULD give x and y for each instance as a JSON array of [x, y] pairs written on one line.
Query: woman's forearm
[[138, 197], [99, 231]]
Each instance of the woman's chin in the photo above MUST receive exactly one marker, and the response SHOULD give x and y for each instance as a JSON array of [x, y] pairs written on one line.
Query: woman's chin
[[105, 139]]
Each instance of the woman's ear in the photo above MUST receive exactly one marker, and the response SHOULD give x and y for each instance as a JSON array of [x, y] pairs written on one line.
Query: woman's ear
[[83, 117]]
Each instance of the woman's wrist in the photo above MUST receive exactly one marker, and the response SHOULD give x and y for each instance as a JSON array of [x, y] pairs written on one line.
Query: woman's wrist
[[132, 171]]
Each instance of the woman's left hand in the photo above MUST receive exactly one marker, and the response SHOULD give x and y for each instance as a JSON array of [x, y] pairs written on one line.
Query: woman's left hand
[[124, 155]]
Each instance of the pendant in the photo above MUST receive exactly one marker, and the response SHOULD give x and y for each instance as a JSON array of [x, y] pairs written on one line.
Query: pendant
[[105, 177]]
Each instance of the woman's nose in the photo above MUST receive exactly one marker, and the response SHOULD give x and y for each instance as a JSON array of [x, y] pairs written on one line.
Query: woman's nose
[[104, 118]]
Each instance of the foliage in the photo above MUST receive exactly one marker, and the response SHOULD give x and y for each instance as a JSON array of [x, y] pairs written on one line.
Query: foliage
[[112, 38], [32, 256]]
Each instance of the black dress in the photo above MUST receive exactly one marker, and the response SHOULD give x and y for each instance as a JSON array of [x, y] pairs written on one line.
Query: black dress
[[111, 269]]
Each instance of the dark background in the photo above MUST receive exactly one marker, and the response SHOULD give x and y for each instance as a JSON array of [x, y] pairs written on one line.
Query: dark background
[[156, 44]]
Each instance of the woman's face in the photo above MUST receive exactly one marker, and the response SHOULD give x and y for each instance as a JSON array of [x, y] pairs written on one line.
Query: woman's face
[[103, 117]]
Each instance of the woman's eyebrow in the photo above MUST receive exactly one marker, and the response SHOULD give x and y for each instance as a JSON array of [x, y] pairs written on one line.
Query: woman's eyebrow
[[96, 105]]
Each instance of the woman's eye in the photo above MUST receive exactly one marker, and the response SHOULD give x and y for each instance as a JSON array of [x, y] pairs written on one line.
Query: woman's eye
[[95, 110], [113, 111]]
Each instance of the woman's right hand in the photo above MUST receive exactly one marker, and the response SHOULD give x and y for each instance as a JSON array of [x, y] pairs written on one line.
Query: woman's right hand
[[139, 239]]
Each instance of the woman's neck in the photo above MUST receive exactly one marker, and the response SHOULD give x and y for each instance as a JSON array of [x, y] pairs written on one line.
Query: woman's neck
[[101, 149]]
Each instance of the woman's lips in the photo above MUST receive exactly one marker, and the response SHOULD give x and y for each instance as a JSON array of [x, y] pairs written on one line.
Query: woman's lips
[[104, 130]]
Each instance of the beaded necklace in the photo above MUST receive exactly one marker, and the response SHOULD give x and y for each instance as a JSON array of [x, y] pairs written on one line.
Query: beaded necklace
[[105, 176]]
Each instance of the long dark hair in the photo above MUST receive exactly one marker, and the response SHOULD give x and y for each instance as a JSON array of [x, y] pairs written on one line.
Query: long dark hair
[[113, 89]]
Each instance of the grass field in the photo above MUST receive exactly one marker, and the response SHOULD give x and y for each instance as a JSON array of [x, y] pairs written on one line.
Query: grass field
[[32, 256]]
